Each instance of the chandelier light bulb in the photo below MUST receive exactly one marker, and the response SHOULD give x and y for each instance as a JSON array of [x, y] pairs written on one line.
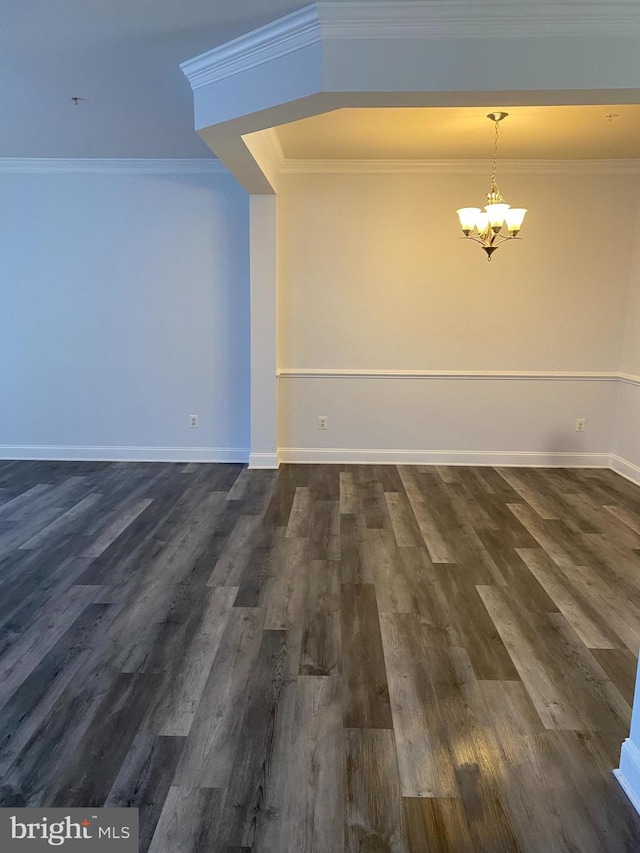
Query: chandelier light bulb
[[486, 227]]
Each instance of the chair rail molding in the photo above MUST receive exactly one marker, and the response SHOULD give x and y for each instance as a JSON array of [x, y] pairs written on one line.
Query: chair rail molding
[[549, 375]]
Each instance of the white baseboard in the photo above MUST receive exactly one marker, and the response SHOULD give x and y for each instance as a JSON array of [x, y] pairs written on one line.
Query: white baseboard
[[628, 774], [264, 460], [626, 469], [124, 454], [320, 455], [443, 457]]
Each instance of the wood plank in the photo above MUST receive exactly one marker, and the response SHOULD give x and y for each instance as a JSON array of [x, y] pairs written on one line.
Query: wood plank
[[437, 825], [366, 698], [284, 593], [524, 484], [586, 619], [325, 531], [11, 506], [93, 768], [321, 652], [306, 775], [631, 519], [34, 700], [349, 500], [62, 523], [393, 587], [36, 771], [403, 521], [621, 666], [144, 780], [299, 522], [189, 821], [353, 566], [244, 807], [232, 564], [188, 664], [260, 567], [568, 687], [517, 573], [56, 497], [117, 526], [509, 710], [19, 661], [373, 822], [439, 548], [472, 628], [373, 502], [210, 750], [415, 672]]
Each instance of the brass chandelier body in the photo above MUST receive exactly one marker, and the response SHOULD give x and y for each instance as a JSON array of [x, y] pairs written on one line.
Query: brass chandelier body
[[486, 227]]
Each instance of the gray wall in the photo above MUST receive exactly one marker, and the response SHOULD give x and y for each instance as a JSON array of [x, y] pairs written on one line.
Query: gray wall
[[124, 309]]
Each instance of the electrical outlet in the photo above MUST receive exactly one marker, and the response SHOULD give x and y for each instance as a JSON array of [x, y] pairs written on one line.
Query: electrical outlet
[[581, 424], [194, 421], [323, 421]]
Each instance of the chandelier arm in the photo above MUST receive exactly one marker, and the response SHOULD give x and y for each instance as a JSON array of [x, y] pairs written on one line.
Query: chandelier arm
[[496, 240], [504, 239], [475, 240]]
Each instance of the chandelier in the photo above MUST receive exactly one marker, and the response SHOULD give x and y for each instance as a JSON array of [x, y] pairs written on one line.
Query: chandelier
[[485, 227]]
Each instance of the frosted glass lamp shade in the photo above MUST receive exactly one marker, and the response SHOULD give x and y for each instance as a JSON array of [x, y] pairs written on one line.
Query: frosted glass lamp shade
[[497, 214], [514, 218], [468, 217], [482, 223]]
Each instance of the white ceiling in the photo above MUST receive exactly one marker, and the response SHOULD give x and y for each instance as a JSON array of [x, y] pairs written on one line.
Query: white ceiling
[[464, 133], [122, 56]]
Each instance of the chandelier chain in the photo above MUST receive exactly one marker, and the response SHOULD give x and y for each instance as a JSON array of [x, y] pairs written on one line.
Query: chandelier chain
[[494, 186]]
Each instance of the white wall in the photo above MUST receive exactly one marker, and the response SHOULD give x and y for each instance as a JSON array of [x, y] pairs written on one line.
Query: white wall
[[125, 308], [627, 434], [264, 282], [374, 278]]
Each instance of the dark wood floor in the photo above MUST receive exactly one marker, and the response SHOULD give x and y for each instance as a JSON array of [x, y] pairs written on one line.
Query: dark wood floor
[[322, 659]]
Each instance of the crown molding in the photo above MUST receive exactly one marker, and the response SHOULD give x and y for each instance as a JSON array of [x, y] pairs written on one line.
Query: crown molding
[[458, 167], [273, 148], [429, 19], [113, 166], [415, 19], [281, 37]]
